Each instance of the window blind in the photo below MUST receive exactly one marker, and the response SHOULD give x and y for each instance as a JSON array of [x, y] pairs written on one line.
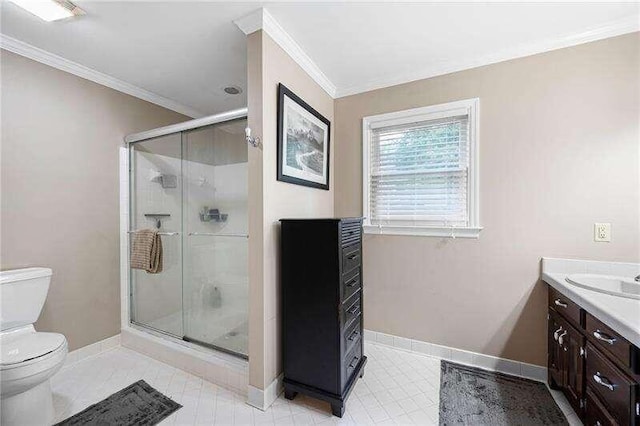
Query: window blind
[[419, 173]]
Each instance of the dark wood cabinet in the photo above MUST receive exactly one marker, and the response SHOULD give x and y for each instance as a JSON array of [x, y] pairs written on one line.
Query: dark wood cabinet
[[555, 364], [566, 360], [573, 349], [596, 414], [322, 310], [611, 386], [592, 365]]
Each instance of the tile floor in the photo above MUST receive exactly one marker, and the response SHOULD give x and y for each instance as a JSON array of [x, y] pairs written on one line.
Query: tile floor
[[398, 388]]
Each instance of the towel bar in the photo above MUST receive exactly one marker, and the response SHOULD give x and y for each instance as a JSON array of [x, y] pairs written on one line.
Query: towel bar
[[159, 233]]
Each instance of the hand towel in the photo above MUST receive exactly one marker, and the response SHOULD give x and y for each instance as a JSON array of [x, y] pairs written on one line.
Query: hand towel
[[146, 251]]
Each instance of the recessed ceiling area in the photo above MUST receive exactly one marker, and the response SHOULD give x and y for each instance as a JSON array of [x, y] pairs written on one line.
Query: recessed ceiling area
[[189, 52]]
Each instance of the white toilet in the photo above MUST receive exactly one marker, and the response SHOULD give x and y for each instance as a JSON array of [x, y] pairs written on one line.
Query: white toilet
[[28, 358]]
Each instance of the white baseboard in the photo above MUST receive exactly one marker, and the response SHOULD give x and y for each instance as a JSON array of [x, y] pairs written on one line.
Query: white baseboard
[[474, 359], [92, 349], [262, 399]]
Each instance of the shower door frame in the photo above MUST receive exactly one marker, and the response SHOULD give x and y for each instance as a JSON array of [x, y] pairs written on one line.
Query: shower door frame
[[126, 202]]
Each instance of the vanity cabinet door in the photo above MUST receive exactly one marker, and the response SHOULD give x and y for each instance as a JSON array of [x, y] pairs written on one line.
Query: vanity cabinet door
[[555, 352], [566, 360], [573, 347]]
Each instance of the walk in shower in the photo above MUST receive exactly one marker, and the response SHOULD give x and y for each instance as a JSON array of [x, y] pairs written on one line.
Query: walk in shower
[[191, 185]]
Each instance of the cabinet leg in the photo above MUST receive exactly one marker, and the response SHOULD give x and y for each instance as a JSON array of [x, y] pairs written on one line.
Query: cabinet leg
[[289, 394], [553, 385], [362, 373], [337, 409]]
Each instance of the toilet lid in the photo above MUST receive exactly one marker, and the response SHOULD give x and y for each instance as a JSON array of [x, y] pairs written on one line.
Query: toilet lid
[[29, 346]]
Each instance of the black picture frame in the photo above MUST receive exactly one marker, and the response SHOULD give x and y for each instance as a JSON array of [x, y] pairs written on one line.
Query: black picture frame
[[283, 176]]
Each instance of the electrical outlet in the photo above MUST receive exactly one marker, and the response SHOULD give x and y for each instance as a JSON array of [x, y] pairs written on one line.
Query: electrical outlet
[[602, 232]]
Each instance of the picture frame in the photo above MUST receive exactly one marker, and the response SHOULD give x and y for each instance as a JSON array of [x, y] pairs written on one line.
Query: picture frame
[[303, 142]]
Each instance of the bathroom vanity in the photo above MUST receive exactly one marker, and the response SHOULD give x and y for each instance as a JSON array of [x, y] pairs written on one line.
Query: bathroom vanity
[[594, 341]]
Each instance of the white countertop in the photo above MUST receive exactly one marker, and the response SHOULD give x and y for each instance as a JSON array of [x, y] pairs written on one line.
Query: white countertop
[[620, 313]]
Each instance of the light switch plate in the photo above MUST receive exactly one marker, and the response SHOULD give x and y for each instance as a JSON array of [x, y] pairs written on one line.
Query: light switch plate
[[602, 232]]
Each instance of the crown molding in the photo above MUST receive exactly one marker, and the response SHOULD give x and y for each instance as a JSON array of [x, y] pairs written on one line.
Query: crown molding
[[262, 20], [611, 29], [28, 51]]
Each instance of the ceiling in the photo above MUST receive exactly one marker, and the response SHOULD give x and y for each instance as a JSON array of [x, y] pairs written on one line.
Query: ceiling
[[364, 46], [189, 51]]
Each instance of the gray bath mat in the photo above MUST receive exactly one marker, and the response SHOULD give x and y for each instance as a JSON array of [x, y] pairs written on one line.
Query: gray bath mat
[[472, 396], [137, 404]]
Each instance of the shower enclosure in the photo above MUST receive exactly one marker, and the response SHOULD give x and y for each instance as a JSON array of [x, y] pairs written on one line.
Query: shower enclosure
[[191, 185]]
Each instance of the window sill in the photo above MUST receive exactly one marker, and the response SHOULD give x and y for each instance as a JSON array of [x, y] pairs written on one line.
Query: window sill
[[423, 231]]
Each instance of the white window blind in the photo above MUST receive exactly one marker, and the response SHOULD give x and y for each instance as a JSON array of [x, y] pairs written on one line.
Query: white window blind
[[420, 169]]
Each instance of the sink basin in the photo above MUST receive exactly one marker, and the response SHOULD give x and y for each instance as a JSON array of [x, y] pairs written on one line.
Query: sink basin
[[617, 286]]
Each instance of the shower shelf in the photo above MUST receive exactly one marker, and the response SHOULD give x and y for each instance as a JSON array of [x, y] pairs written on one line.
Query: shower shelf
[[157, 217]]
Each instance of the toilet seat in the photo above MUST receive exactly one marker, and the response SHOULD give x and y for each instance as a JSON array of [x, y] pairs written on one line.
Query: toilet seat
[[26, 348], [44, 357]]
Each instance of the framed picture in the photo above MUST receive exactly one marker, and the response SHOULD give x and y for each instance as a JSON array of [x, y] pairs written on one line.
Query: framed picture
[[303, 142]]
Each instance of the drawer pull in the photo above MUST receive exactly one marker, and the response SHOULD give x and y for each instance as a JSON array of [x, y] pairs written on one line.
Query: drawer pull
[[354, 362], [603, 381], [560, 303], [352, 282], [556, 334], [604, 337], [560, 340], [598, 423], [354, 335], [352, 256], [353, 310]]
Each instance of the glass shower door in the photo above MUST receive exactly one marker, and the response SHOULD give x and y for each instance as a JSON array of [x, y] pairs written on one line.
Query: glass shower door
[[156, 202], [192, 187], [215, 286]]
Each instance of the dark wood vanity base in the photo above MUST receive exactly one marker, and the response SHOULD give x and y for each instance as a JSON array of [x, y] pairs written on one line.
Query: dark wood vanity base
[[597, 369]]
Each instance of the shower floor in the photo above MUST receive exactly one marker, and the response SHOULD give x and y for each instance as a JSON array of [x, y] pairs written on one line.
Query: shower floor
[[224, 328]]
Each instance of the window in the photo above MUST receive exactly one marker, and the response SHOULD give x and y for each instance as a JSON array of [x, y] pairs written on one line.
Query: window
[[420, 171]]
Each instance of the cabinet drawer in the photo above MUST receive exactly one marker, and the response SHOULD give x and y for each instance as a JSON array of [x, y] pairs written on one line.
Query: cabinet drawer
[[564, 306], [596, 414], [351, 310], [351, 335], [611, 385], [350, 233], [351, 283], [608, 340], [351, 257], [350, 363]]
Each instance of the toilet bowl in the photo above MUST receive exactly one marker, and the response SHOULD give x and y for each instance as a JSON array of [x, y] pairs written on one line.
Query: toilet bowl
[[28, 358]]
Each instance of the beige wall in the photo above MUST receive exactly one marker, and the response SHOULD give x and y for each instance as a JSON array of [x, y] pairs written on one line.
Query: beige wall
[[60, 139], [559, 146], [269, 65]]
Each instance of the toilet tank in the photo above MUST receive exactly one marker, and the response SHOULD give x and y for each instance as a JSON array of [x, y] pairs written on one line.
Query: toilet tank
[[22, 296]]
